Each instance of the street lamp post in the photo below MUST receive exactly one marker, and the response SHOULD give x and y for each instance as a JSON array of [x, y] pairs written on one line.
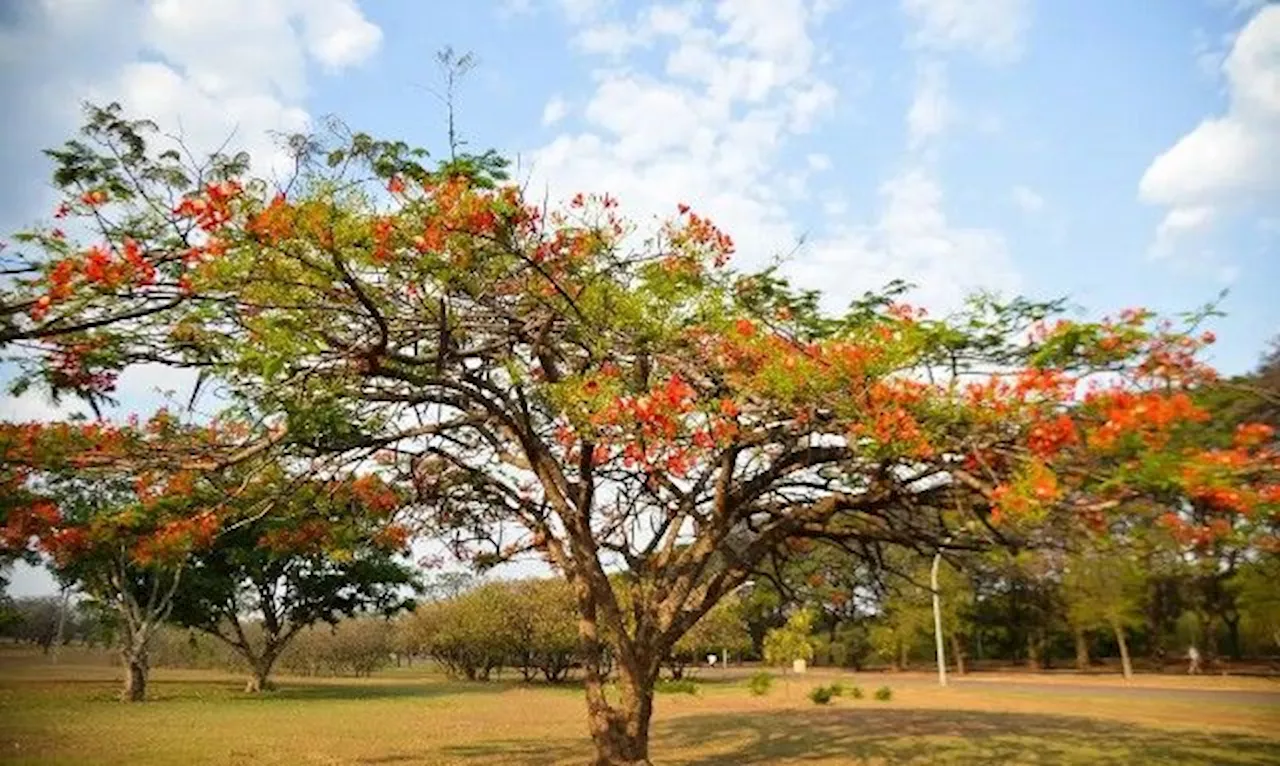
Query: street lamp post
[[937, 620]]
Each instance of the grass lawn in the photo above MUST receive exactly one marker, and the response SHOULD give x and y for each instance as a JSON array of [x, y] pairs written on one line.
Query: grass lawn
[[66, 713]]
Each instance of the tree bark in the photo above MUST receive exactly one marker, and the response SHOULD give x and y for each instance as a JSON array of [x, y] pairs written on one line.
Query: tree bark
[[1125, 665], [957, 653], [135, 681], [621, 731], [260, 674], [1082, 650], [1034, 661]]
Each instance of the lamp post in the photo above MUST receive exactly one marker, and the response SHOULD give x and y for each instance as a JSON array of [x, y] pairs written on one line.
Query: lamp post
[[937, 616]]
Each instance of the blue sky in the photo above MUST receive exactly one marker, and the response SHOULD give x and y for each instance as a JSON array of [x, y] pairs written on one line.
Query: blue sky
[[1111, 152]]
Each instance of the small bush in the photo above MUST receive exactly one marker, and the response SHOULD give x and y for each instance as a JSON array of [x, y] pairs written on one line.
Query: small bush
[[856, 692], [760, 683], [837, 689], [820, 695], [681, 686], [884, 694]]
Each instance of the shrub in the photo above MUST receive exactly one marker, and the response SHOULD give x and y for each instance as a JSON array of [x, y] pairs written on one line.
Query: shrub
[[856, 692], [760, 683], [820, 695], [676, 686], [837, 689], [884, 694]]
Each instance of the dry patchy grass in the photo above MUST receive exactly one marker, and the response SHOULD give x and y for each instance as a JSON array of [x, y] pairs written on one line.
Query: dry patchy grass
[[66, 714]]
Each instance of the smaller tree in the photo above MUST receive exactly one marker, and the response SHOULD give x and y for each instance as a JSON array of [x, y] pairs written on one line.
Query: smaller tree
[[546, 627], [724, 628], [1104, 588], [472, 634], [324, 551], [793, 641], [1259, 597]]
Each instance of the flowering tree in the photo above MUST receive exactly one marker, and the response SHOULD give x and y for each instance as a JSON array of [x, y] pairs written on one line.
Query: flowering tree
[[118, 533], [557, 382], [320, 550]]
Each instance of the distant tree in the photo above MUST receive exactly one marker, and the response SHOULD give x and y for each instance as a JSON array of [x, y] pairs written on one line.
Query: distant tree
[[546, 628], [1257, 587], [470, 635], [325, 550], [1104, 587], [722, 629], [793, 641]]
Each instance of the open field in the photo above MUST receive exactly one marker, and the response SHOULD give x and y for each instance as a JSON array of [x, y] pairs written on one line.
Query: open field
[[66, 713]]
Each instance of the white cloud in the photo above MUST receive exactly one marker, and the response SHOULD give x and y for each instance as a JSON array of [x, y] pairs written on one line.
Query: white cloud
[[1177, 224], [930, 110], [993, 29], [1230, 161], [1027, 199], [910, 239], [818, 161], [705, 126], [554, 111]]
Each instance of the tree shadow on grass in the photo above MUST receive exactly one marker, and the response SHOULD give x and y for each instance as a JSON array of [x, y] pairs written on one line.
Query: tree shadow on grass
[[947, 737], [364, 690], [524, 752]]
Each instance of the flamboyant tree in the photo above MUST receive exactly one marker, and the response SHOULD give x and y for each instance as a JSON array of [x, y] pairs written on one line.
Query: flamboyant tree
[[558, 382], [117, 532], [318, 551]]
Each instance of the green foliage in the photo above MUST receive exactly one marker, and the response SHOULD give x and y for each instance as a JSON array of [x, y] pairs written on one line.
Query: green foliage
[[676, 686], [884, 694], [837, 689], [820, 695], [760, 683], [855, 692], [530, 625], [721, 629], [783, 646]]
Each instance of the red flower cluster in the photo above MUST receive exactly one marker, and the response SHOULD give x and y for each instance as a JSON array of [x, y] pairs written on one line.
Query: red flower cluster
[[212, 209]]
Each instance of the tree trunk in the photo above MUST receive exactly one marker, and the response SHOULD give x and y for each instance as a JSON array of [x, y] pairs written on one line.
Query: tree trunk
[[260, 678], [621, 731], [1233, 635], [957, 653], [135, 682], [1033, 652], [1125, 666], [904, 661], [1082, 650]]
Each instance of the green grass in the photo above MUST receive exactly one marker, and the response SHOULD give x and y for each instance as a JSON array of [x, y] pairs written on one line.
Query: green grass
[[67, 714]]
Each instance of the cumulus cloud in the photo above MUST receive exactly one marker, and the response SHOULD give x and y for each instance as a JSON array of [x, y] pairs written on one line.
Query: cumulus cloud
[[1229, 162], [704, 126], [993, 29], [699, 106], [554, 111], [911, 239], [1177, 225]]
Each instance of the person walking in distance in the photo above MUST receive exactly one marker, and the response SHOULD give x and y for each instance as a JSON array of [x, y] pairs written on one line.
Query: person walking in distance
[[1193, 656]]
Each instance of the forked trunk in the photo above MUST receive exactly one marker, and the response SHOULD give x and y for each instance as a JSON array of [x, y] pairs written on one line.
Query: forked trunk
[[260, 675], [1125, 665], [620, 730], [1082, 650]]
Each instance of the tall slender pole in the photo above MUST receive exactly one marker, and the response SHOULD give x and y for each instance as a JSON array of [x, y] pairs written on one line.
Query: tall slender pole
[[937, 621]]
